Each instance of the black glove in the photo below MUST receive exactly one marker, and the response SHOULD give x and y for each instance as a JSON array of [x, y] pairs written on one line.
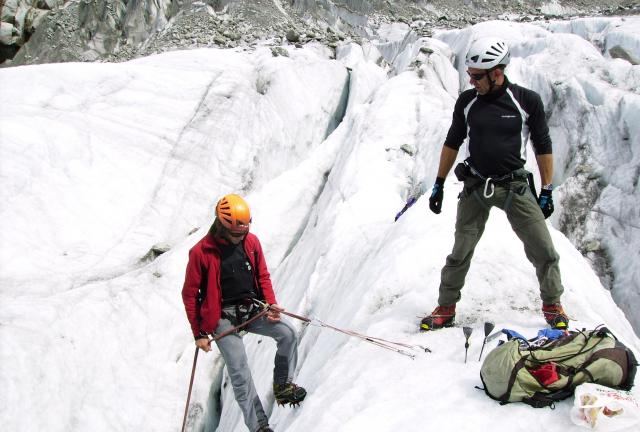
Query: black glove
[[437, 193], [545, 201]]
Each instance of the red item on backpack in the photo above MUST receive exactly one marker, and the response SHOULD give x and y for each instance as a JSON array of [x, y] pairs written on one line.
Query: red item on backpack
[[546, 373]]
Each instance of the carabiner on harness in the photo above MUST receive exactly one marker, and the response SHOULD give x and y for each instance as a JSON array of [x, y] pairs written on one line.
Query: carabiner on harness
[[488, 184]]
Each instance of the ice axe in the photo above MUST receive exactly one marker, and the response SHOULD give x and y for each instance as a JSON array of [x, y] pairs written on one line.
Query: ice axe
[[415, 193], [406, 207], [488, 328], [467, 334]]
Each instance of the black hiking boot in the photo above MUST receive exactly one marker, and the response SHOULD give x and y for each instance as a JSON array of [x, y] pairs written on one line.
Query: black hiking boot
[[265, 429], [442, 316], [289, 393], [555, 316]]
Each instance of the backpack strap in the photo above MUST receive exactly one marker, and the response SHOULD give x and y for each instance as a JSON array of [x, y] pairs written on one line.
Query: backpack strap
[[541, 400], [632, 368], [512, 379], [256, 257]]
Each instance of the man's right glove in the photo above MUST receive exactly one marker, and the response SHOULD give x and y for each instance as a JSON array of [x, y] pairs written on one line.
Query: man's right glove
[[545, 201], [437, 193]]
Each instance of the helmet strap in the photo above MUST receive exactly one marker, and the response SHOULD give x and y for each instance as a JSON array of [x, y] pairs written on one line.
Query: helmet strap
[[492, 83]]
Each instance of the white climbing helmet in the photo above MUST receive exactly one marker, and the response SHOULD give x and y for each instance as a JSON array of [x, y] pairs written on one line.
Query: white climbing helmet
[[488, 52]]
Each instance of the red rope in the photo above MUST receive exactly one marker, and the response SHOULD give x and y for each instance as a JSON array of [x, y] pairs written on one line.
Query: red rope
[[382, 343]]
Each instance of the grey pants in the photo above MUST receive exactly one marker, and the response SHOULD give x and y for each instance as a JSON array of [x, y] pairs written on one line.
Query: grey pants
[[526, 220], [235, 357]]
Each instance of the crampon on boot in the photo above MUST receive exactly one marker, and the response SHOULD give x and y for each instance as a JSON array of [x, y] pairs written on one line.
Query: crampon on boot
[[289, 393], [442, 316], [555, 316]]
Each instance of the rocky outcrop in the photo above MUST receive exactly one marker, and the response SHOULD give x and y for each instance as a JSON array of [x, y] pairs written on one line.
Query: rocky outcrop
[[44, 31], [19, 20]]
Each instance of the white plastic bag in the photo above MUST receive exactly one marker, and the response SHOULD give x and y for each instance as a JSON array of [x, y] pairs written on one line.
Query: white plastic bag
[[604, 409]]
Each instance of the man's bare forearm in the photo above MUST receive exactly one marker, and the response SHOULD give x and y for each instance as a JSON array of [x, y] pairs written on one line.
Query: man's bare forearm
[[447, 158], [545, 165]]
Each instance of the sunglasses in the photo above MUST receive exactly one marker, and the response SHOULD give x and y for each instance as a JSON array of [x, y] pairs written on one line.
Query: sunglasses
[[477, 76], [241, 232], [237, 234]]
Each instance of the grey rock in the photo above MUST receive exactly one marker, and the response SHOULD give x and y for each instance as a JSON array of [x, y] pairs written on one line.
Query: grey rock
[[621, 53], [33, 19], [293, 36], [279, 51], [408, 149], [8, 11], [231, 35], [584, 169], [592, 246], [8, 34], [155, 251]]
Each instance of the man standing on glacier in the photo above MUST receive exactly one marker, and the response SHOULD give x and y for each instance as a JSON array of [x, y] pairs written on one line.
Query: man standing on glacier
[[225, 281], [498, 117]]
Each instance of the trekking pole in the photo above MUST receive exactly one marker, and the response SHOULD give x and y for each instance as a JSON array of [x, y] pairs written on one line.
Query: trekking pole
[[467, 334], [488, 328], [213, 339], [193, 372]]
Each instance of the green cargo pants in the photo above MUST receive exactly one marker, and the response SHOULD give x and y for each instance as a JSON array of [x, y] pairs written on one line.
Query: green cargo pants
[[526, 220]]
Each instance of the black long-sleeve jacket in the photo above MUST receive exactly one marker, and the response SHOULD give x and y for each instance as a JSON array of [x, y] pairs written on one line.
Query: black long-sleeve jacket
[[499, 125]]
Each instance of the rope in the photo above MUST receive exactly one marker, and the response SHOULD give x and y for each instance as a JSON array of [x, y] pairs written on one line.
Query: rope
[[396, 347]]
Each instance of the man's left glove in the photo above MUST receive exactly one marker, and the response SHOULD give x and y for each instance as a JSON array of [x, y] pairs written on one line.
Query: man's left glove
[[437, 194], [545, 201]]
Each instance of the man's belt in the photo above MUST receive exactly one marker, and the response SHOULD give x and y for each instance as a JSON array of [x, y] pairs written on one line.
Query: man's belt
[[465, 170]]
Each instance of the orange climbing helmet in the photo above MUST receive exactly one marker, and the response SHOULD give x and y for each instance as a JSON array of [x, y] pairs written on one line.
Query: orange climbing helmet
[[234, 214]]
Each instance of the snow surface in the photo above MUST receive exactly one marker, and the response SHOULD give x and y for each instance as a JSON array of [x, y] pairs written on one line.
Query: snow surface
[[99, 162]]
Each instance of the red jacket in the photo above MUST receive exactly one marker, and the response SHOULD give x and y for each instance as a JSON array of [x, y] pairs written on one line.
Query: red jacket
[[203, 273]]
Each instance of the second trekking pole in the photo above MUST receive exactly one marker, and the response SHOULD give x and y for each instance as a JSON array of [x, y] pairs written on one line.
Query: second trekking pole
[[193, 372], [467, 334], [488, 328]]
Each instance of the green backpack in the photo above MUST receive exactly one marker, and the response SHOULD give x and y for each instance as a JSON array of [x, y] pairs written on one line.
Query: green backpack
[[516, 371]]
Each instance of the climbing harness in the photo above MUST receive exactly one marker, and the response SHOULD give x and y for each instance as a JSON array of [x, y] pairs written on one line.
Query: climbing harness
[[490, 182], [467, 170]]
